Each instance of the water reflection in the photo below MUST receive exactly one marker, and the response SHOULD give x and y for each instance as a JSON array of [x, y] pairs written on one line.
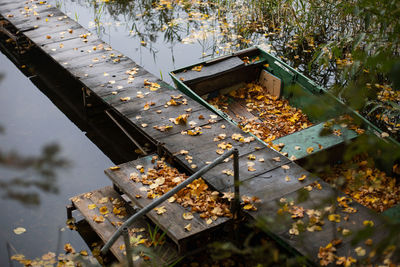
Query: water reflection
[[176, 33], [27, 173], [44, 160]]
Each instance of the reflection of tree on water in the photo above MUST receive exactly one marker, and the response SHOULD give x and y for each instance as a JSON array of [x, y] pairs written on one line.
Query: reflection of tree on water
[[37, 172], [218, 27], [29, 173]]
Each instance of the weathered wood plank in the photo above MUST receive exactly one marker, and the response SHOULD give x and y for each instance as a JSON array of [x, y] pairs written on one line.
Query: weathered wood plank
[[275, 183], [104, 229], [222, 181], [116, 78], [160, 116], [95, 69], [203, 147], [88, 60], [74, 44], [113, 221], [135, 104], [172, 222]]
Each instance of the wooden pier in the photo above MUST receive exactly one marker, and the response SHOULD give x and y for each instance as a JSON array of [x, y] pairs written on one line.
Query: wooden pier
[[125, 89]]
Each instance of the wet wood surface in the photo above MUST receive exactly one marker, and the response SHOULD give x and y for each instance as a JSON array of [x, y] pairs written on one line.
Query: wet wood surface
[[172, 221], [105, 197]]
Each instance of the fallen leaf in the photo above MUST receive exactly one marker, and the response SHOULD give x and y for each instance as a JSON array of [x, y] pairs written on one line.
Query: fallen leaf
[[334, 217], [84, 253], [368, 242], [68, 248], [103, 210], [310, 150], [251, 157], [92, 206], [285, 167], [360, 251], [160, 210], [277, 159], [249, 207], [188, 227], [251, 168], [197, 68], [187, 215], [368, 223], [19, 230], [115, 168], [98, 219], [103, 200], [302, 178]]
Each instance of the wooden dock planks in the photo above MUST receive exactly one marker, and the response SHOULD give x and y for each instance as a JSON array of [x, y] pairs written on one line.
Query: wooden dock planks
[[88, 59], [105, 197], [172, 221]]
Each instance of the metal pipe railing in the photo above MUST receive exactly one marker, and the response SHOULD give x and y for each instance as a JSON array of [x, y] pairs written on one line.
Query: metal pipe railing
[[176, 189]]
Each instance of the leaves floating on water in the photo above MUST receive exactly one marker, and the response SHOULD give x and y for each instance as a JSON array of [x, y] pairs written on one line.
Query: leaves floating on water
[[19, 230]]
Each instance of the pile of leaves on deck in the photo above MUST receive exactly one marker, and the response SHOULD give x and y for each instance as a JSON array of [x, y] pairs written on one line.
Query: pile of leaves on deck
[[197, 196], [365, 183], [273, 117]]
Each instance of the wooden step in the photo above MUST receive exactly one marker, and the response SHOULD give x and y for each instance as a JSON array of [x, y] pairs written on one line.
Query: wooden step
[[108, 197], [172, 221]]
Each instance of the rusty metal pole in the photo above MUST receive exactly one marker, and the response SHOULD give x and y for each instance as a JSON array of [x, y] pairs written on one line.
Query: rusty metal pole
[[236, 199], [236, 181], [125, 234]]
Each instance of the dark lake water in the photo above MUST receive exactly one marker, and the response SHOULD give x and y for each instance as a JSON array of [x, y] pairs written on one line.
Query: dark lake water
[[30, 121]]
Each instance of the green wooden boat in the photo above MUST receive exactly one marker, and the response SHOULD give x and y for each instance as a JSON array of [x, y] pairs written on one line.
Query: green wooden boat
[[220, 76], [226, 73]]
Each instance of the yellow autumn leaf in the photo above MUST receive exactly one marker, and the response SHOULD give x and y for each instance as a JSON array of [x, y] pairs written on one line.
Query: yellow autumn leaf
[[160, 210], [334, 217], [193, 133], [92, 206], [19, 230], [188, 227], [187, 215], [302, 178], [368, 223], [310, 150], [251, 168], [103, 210], [249, 207], [115, 168], [285, 167], [251, 157], [98, 219], [197, 68]]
